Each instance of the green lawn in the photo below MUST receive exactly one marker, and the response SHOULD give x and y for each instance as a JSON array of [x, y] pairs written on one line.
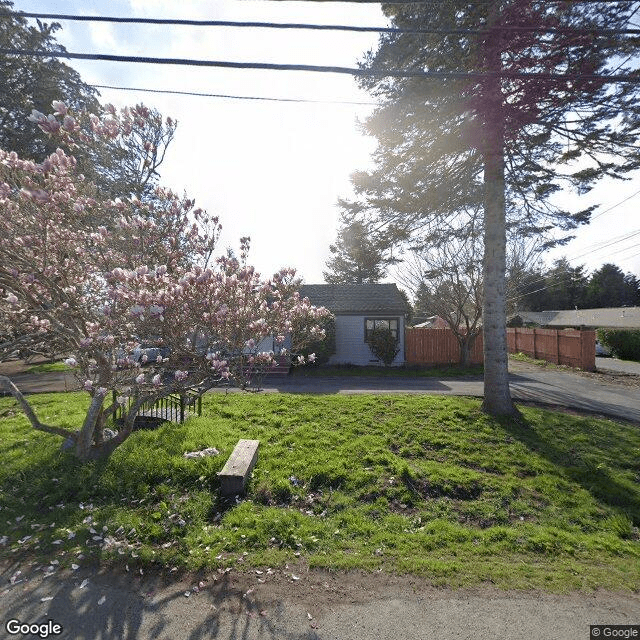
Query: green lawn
[[421, 484], [48, 367], [523, 357]]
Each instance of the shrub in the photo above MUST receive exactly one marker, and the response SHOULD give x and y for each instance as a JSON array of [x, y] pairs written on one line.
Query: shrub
[[326, 347], [384, 345], [516, 321], [622, 343]]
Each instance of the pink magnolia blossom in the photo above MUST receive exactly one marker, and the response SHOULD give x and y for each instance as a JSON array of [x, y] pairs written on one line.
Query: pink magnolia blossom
[[59, 108], [99, 291]]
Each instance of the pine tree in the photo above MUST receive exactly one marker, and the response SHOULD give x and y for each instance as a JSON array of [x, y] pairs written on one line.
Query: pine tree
[[357, 257], [610, 287], [33, 82], [530, 112], [122, 167]]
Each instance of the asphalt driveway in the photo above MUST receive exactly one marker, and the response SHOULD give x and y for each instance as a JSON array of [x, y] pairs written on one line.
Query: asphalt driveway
[[619, 366]]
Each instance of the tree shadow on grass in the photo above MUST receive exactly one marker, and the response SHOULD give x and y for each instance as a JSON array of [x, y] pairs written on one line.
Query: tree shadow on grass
[[46, 503], [583, 462]]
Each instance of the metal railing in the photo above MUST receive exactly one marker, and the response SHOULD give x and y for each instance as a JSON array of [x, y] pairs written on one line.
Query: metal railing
[[172, 408]]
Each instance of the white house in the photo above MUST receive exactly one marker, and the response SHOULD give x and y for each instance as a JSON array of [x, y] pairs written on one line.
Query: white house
[[358, 309]]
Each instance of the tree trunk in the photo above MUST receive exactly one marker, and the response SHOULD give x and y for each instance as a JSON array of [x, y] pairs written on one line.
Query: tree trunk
[[497, 396], [86, 435], [465, 351]]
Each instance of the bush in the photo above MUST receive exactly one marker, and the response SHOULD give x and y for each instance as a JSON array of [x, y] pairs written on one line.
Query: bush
[[622, 343], [516, 321], [325, 348], [384, 345]]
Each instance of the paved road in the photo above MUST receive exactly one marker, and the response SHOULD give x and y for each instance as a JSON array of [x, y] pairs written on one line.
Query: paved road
[[318, 606], [528, 382], [563, 388], [619, 366]]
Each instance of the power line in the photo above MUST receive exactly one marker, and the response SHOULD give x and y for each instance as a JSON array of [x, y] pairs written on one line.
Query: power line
[[438, 2], [235, 97], [633, 195], [633, 234], [479, 31], [270, 66], [594, 248], [223, 23], [603, 246]]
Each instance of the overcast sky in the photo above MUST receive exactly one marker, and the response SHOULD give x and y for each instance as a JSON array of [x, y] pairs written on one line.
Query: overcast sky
[[273, 171]]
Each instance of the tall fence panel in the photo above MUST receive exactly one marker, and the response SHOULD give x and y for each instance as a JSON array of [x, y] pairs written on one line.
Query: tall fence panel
[[437, 346], [570, 347], [561, 346]]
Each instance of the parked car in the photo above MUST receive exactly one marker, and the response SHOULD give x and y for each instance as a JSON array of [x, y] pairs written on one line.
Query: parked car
[[602, 351], [152, 353]]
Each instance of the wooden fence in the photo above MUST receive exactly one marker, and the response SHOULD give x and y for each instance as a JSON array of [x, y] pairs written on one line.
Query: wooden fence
[[561, 346], [437, 346], [570, 347]]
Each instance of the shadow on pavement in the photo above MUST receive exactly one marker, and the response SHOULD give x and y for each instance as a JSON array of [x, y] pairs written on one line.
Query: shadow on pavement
[[351, 384], [112, 606]]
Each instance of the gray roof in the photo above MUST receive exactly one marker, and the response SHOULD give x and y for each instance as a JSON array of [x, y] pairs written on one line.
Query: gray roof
[[611, 318], [356, 299]]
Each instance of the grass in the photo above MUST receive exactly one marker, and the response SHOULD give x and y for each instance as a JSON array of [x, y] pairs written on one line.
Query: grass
[[407, 371], [523, 357], [425, 485], [47, 367]]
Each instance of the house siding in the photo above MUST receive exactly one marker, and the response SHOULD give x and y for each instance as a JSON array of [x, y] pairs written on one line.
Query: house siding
[[350, 345]]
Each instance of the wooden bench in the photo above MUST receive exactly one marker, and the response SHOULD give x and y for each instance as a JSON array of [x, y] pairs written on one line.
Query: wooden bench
[[234, 475]]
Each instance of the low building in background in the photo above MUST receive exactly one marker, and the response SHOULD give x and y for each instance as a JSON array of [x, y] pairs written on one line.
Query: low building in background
[[358, 310]]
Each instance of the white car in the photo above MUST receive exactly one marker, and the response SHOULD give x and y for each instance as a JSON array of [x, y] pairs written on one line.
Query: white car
[[601, 350]]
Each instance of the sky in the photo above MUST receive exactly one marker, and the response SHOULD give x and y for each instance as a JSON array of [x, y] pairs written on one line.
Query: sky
[[272, 170]]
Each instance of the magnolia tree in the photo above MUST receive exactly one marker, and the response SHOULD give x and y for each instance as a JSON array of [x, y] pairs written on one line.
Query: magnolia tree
[[95, 292]]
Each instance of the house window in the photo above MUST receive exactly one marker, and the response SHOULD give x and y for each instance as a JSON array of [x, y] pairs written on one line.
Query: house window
[[380, 323]]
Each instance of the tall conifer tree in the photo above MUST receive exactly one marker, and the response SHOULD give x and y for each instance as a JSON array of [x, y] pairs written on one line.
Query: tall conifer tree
[[523, 108], [357, 257]]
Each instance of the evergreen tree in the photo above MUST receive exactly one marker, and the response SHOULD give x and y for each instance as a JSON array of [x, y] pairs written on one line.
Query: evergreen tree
[[357, 257], [33, 82], [529, 113], [609, 287], [565, 287], [122, 167], [633, 284]]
